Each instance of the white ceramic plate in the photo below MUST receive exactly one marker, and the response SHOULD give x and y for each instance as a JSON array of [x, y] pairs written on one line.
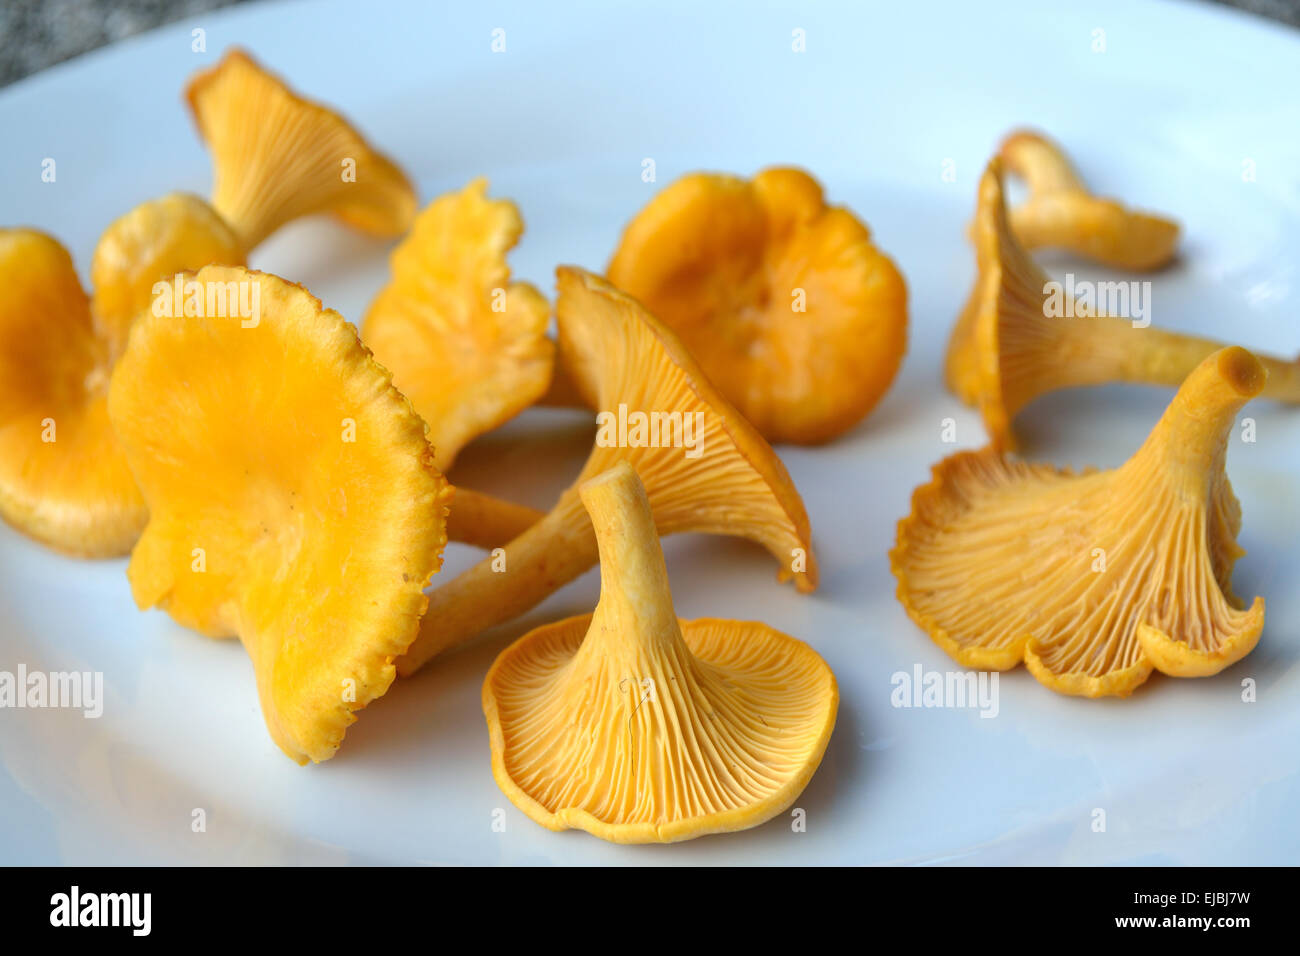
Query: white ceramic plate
[[887, 96]]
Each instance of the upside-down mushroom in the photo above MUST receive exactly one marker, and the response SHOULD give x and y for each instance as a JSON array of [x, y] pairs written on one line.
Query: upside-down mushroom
[[277, 156], [466, 345], [1019, 336], [1061, 213], [639, 727], [704, 467], [1092, 579], [293, 501], [788, 306]]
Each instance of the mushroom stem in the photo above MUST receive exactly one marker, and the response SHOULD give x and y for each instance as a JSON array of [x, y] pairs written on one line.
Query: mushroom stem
[[552, 552], [1061, 211], [1045, 168], [1194, 430], [487, 522], [1154, 356], [635, 599]]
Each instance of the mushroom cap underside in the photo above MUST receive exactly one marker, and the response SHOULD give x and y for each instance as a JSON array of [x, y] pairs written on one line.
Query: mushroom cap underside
[[729, 737], [1087, 578]]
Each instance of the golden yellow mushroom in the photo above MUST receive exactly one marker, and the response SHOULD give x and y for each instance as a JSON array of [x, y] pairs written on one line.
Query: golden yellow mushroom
[[63, 479], [466, 345], [293, 501], [1020, 336], [1061, 213], [788, 306], [639, 727], [277, 156], [153, 241], [704, 466], [1091, 579]]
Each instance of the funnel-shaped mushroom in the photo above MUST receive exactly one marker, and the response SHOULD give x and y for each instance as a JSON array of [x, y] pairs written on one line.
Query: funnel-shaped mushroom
[[63, 479], [277, 156], [704, 467], [1019, 336], [1061, 213], [292, 496], [641, 728], [153, 241], [466, 345], [1091, 579], [788, 306]]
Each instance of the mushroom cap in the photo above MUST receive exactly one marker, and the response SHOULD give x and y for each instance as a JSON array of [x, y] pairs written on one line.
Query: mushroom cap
[[730, 750], [624, 359], [154, 241], [1020, 335], [1061, 213], [63, 479], [1092, 579], [640, 728], [1006, 299], [292, 496], [722, 261], [466, 345], [277, 156]]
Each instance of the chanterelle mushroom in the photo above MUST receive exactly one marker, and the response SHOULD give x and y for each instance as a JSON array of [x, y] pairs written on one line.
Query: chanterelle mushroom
[[466, 345], [292, 496], [639, 727], [277, 156], [1061, 213], [62, 477], [1091, 579], [704, 466], [155, 240], [1019, 336], [788, 306]]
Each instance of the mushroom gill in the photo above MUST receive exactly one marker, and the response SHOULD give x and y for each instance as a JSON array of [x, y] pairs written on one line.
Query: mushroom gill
[[641, 728], [1092, 579], [1019, 336], [277, 156], [705, 468]]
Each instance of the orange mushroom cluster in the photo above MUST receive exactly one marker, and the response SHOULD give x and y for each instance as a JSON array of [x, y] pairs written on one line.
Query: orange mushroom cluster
[[278, 476], [276, 157], [1092, 580]]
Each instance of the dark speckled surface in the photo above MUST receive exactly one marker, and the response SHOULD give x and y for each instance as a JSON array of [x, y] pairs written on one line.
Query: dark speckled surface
[[35, 34]]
